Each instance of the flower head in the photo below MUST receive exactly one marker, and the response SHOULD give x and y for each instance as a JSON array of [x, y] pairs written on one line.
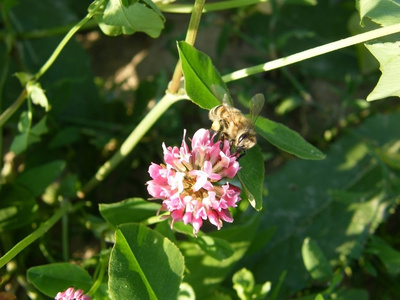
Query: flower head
[[188, 181], [71, 294]]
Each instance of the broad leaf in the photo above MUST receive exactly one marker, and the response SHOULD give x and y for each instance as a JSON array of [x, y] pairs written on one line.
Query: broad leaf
[[315, 261], [251, 176], [200, 76], [299, 202], [28, 135], [128, 211], [38, 178], [389, 256], [119, 18], [206, 272], [17, 207], [388, 55], [54, 278], [287, 140], [383, 12], [144, 265], [37, 95]]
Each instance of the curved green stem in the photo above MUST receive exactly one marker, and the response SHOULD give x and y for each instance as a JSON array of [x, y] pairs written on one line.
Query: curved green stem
[[131, 141], [291, 59], [11, 109], [64, 41], [34, 235]]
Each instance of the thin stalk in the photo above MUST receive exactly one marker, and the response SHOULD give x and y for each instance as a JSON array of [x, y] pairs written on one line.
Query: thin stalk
[[34, 235], [222, 5], [300, 56], [190, 39], [11, 109], [131, 141], [64, 41]]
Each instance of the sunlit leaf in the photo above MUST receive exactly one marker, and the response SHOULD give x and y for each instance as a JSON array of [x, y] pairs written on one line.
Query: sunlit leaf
[[57, 277], [388, 55], [119, 17], [200, 76], [315, 261], [383, 12], [287, 140], [128, 211], [143, 263]]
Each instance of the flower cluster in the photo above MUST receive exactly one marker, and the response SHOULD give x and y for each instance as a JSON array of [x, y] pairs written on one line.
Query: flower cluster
[[188, 181], [71, 294]]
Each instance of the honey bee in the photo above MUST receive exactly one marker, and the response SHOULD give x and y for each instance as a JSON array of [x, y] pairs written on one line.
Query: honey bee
[[234, 126]]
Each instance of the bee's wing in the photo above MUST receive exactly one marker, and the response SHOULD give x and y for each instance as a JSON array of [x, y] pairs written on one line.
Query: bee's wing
[[256, 105], [221, 94]]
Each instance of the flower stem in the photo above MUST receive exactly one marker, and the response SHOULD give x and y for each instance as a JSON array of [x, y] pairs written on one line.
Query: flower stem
[[190, 39], [34, 235], [300, 56], [131, 141]]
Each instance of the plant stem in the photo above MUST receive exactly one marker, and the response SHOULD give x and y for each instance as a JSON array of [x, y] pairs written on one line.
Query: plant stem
[[11, 109], [34, 235], [222, 5], [190, 39], [291, 59], [64, 41], [132, 140]]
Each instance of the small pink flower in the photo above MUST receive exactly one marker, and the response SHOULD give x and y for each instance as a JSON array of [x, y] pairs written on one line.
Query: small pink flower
[[189, 182], [71, 294]]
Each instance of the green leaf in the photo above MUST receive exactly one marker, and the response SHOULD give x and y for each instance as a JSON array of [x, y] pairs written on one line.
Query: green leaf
[[144, 265], [286, 139], [384, 12], [54, 278], [215, 247], [37, 95], [38, 178], [300, 204], [28, 136], [128, 211], [17, 207], [206, 272], [200, 76], [389, 256], [243, 283], [315, 261], [127, 18], [388, 55], [251, 176]]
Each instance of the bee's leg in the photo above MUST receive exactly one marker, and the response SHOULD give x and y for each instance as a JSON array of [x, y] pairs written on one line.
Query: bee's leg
[[241, 154], [222, 140]]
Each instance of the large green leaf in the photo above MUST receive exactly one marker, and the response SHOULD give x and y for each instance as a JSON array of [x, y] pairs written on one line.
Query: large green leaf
[[301, 204], [388, 55], [383, 12], [206, 272], [38, 178], [127, 17], [286, 139], [144, 265], [251, 176], [315, 261], [200, 76], [54, 278], [128, 211], [17, 207]]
